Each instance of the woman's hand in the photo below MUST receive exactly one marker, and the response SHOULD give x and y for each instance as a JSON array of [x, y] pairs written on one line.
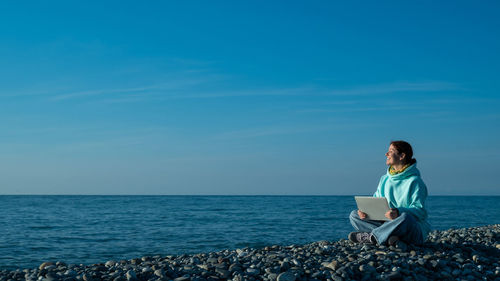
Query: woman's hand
[[361, 215], [392, 214]]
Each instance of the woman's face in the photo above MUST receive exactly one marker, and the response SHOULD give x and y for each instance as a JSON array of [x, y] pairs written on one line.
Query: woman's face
[[393, 157]]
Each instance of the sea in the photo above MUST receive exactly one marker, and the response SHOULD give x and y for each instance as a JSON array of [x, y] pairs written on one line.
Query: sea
[[95, 229]]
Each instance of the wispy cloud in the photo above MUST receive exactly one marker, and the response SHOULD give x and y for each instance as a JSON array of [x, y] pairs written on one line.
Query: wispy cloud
[[210, 87], [28, 93], [360, 109], [273, 131], [397, 87], [462, 100], [159, 94], [101, 92], [299, 91], [177, 84], [457, 118]]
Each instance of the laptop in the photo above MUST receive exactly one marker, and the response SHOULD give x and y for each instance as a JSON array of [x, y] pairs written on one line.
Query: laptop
[[374, 207]]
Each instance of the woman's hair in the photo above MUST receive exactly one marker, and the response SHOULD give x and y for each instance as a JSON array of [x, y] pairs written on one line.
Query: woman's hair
[[404, 147]]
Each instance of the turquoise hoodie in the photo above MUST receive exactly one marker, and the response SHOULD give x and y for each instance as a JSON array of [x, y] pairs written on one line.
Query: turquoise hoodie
[[407, 192]]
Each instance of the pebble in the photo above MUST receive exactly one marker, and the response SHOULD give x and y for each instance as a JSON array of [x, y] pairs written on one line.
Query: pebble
[[147, 269], [332, 265], [286, 276], [366, 268], [87, 277], [70, 273], [45, 264], [130, 275], [160, 273], [223, 273], [253, 271]]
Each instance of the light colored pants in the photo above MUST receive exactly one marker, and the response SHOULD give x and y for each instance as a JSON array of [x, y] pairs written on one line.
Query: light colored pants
[[405, 227]]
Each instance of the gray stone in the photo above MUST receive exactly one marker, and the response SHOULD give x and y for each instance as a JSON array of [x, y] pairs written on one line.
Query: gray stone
[[146, 269], [87, 277], [235, 267], [70, 273], [51, 267], [317, 274], [366, 268], [335, 277], [395, 275], [286, 276], [272, 276], [332, 265], [202, 266], [445, 274], [366, 277], [114, 274], [212, 260], [131, 276], [51, 277], [194, 260], [421, 277], [160, 273], [241, 253], [223, 273], [45, 264], [253, 271], [284, 266]]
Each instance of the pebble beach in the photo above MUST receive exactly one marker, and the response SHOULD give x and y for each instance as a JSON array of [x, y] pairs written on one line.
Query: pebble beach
[[454, 254]]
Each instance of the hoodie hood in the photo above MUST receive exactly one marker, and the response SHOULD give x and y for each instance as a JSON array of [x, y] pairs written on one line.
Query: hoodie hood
[[408, 172]]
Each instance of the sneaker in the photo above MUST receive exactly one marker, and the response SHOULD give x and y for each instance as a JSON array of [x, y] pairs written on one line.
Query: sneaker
[[401, 245], [393, 240], [361, 237]]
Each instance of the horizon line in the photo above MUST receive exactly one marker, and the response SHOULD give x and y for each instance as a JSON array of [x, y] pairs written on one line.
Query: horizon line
[[243, 195]]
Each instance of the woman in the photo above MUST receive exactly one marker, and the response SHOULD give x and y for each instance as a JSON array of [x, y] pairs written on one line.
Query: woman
[[406, 193]]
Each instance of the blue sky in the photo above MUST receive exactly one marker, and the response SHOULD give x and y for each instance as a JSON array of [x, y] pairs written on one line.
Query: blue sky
[[246, 97]]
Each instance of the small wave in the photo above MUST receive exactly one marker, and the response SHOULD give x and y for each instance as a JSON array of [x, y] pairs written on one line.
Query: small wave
[[42, 227]]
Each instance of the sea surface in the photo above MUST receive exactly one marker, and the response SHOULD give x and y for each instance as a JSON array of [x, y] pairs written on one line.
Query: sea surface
[[94, 229]]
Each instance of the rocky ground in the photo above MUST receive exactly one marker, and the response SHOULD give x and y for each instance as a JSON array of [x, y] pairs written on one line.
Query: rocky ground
[[455, 254]]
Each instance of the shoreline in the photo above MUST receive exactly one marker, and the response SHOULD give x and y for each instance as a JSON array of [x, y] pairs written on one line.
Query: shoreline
[[465, 254]]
